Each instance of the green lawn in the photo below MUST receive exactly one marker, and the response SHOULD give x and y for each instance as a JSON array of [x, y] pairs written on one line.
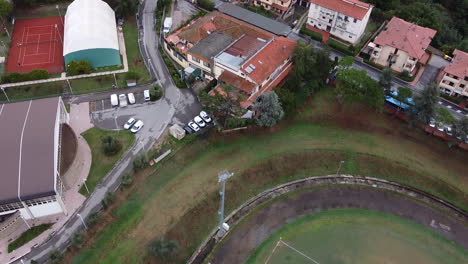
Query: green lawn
[[357, 236], [34, 91], [180, 197], [28, 236], [93, 84], [102, 164]]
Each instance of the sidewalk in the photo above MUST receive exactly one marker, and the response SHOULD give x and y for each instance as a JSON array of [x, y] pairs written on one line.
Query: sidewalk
[[123, 52]]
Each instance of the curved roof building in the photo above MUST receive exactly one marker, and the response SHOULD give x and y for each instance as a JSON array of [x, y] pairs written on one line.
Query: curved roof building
[[91, 33]]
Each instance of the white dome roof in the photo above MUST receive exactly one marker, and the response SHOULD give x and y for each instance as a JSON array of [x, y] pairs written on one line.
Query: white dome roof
[[89, 24]]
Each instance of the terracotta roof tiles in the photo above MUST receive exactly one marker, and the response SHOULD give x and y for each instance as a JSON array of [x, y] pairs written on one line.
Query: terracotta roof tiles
[[352, 8], [459, 65]]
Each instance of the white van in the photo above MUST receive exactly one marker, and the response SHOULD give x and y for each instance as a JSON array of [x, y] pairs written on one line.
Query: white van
[[146, 94], [114, 100]]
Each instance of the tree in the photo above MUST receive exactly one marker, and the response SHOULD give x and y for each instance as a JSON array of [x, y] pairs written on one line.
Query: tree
[[461, 128], [385, 80], [403, 94], [206, 4], [163, 248], [140, 162], [444, 116], [55, 257], [110, 146], [426, 102], [93, 218], [108, 199], [269, 109], [287, 99], [78, 67], [123, 8], [78, 239], [156, 92], [127, 179], [223, 102], [5, 9]]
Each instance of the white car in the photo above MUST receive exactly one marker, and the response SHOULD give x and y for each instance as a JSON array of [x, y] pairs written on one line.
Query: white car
[[137, 126], [131, 98], [114, 100], [123, 100], [440, 127], [199, 121], [205, 117], [194, 126], [448, 130], [146, 95], [130, 123], [432, 122]]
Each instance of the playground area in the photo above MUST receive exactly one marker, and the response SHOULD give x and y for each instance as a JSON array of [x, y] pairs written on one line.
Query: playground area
[[356, 236], [37, 44]]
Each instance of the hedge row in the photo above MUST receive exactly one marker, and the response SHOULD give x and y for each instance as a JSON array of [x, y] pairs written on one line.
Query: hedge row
[[172, 70], [343, 48], [310, 33], [456, 100], [15, 77]]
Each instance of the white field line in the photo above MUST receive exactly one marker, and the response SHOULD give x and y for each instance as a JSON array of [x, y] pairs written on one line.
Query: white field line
[[302, 254], [273, 251]]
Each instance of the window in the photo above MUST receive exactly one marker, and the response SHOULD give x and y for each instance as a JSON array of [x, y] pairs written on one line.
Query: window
[[462, 86], [350, 36], [466, 79], [206, 64], [197, 60], [451, 83], [355, 20]]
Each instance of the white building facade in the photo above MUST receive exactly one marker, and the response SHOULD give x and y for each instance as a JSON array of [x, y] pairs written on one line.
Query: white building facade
[[343, 19]]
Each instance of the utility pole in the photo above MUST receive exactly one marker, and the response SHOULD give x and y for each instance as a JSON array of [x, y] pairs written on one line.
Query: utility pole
[[222, 178], [82, 221]]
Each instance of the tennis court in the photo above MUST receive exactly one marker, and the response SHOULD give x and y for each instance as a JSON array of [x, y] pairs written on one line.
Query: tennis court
[[37, 44]]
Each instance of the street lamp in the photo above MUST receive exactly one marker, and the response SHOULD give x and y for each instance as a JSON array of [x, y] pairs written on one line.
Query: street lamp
[[82, 221], [222, 178], [85, 185], [339, 167]]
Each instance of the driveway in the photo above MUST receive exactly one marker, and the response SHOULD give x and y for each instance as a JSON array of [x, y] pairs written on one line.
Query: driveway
[[431, 71]]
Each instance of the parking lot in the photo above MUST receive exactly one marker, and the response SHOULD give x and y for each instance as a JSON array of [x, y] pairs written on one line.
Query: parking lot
[[104, 104]]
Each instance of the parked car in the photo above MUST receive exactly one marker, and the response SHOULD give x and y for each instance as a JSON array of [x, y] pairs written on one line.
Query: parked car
[[131, 98], [129, 123], [188, 130], [114, 100], [432, 122], [193, 126], [205, 117], [137, 126], [448, 130], [123, 100], [440, 126], [199, 121], [146, 95]]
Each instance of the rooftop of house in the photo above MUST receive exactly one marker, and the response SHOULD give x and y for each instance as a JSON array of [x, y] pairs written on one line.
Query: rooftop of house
[[241, 50], [352, 8], [266, 61], [237, 81], [459, 64], [406, 36], [255, 19], [216, 22], [211, 46]]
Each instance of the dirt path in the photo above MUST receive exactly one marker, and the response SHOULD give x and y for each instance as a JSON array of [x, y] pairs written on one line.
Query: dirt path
[[250, 233]]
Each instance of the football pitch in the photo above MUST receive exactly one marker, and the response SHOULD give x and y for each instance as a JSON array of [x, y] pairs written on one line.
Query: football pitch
[[356, 236]]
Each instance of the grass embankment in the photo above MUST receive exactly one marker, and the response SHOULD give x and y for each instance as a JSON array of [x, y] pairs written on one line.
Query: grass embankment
[[102, 164], [180, 198], [34, 91], [357, 236], [28, 236], [94, 84]]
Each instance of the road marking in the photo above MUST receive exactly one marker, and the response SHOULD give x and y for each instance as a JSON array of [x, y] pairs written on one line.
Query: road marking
[[440, 102], [102, 101], [458, 111], [449, 106]]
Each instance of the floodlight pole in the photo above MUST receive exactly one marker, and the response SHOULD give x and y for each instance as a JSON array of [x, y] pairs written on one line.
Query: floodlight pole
[[60, 15], [115, 80], [339, 167], [222, 178], [3, 90]]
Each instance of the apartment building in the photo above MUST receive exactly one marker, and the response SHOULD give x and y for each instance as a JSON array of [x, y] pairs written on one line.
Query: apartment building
[[343, 19], [254, 65], [401, 45], [453, 79], [276, 6]]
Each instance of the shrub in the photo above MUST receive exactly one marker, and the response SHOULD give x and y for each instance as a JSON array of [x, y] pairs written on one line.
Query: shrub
[[15, 77], [55, 257], [110, 146], [206, 4], [163, 248], [456, 100], [140, 162], [405, 76], [131, 75], [212, 84], [108, 199], [78, 67], [238, 122], [310, 33], [156, 93], [78, 239], [93, 218], [127, 179]]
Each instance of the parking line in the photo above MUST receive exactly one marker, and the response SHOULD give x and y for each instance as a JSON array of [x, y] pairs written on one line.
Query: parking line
[[102, 101], [458, 111], [440, 102], [449, 106]]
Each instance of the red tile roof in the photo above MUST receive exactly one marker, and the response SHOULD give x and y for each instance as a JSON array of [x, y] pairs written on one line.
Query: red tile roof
[[237, 81], [406, 36], [267, 60], [352, 8], [280, 7], [459, 65], [245, 46]]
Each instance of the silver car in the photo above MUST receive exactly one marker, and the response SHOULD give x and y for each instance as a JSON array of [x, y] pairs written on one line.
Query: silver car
[[199, 121], [129, 123], [137, 126]]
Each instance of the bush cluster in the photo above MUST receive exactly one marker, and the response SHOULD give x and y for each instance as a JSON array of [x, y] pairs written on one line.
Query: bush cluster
[[131, 75], [456, 100], [110, 146], [310, 33], [206, 4], [79, 67], [140, 162], [238, 122], [156, 93], [173, 70], [338, 46], [15, 77]]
